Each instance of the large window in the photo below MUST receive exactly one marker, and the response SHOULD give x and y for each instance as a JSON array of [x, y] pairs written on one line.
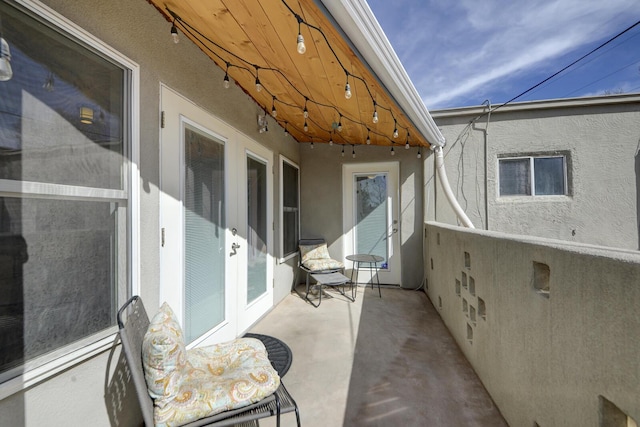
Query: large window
[[290, 207], [65, 198], [533, 176]]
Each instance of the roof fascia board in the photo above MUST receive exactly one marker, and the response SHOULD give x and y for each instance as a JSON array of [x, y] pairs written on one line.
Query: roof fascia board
[[357, 22], [546, 104]]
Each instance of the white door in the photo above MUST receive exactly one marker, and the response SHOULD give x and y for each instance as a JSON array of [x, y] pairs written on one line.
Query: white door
[[204, 214], [371, 213]]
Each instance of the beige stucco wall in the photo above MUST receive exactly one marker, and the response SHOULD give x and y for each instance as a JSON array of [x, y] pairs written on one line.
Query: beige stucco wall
[[321, 199], [80, 395], [601, 137], [543, 359]]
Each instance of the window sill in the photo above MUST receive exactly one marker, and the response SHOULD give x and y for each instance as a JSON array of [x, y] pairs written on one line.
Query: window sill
[[40, 369]]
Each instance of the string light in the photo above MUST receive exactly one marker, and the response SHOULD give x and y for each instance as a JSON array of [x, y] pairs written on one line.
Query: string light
[[375, 113], [274, 112], [395, 128], [286, 132], [343, 151], [174, 32], [312, 145], [347, 89], [306, 126], [258, 85], [305, 112], [406, 145], [301, 47], [393, 153], [419, 153], [225, 81], [330, 139], [368, 137], [340, 123], [353, 153]]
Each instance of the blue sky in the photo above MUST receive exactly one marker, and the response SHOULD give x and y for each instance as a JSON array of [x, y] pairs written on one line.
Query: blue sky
[[463, 52]]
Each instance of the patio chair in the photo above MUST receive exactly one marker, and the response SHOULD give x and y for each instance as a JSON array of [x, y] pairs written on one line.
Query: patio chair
[[314, 260], [133, 323]]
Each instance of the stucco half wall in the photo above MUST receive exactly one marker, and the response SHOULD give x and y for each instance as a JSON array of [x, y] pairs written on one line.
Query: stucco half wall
[[551, 328]]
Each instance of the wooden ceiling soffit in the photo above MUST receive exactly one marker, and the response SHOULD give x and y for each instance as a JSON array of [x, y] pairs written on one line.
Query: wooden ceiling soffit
[[256, 40]]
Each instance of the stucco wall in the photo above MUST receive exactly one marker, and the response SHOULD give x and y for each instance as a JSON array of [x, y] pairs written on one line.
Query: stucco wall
[[600, 136], [543, 358], [137, 30], [321, 199]]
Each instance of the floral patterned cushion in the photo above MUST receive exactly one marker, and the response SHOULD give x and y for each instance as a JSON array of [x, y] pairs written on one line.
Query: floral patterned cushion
[[187, 385], [317, 258], [163, 355]]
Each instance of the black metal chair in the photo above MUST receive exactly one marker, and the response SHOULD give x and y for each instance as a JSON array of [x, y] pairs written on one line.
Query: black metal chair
[[132, 331], [314, 259]]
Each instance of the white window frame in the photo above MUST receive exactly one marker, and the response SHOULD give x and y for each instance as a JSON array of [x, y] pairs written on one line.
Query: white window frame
[[532, 176], [40, 368], [284, 160]]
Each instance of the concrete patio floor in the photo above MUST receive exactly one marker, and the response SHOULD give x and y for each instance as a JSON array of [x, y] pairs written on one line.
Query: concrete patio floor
[[386, 361]]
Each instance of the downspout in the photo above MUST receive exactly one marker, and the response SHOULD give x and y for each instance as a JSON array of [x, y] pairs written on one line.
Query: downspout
[[447, 188], [486, 166]]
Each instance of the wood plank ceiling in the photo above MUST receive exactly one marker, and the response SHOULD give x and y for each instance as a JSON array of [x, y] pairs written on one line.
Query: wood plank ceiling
[[256, 39]]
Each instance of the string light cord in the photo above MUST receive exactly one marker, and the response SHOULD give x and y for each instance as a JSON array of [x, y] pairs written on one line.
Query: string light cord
[[250, 67]]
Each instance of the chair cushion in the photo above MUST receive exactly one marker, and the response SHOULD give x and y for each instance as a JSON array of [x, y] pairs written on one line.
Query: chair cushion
[[163, 355], [323, 264], [317, 258], [187, 385]]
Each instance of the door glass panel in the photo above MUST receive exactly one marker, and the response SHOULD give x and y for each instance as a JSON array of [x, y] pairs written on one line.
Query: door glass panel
[[204, 222], [256, 229], [371, 216]]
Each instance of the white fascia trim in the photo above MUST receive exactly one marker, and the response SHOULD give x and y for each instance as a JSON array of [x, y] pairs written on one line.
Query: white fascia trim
[[358, 22]]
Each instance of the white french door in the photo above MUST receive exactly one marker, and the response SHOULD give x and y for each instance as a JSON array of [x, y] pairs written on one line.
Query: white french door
[[371, 212], [215, 209]]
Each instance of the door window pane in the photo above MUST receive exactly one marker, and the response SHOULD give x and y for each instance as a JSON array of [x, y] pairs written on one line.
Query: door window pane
[[549, 175], [515, 177], [257, 229], [204, 200], [371, 216], [290, 209]]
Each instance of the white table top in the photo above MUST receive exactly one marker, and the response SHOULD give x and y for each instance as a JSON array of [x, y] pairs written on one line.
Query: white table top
[[364, 258]]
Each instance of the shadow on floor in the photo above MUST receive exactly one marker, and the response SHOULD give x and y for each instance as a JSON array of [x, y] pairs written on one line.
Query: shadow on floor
[[409, 371]]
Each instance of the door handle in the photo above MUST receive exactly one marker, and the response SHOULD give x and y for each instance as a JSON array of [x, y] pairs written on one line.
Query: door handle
[[234, 249]]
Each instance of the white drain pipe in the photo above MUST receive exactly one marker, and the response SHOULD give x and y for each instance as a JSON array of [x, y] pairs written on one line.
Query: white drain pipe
[[447, 189]]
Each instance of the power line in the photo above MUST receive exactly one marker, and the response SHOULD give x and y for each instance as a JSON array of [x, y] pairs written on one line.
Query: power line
[[563, 69]]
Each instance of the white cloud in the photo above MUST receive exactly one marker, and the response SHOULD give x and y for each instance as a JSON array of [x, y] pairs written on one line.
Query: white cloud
[[462, 49]]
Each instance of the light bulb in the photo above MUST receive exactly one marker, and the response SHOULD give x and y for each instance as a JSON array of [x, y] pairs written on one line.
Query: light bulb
[[393, 153], [395, 132], [301, 46], [353, 153], [306, 126], [286, 131], [407, 146], [5, 61], [419, 154], [347, 91], [368, 140], [305, 113], [343, 151], [340, 126], [225, 82], [174, 34], [375, 117], [331, 141], [274, 112], [258, 85], [312, 145]]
